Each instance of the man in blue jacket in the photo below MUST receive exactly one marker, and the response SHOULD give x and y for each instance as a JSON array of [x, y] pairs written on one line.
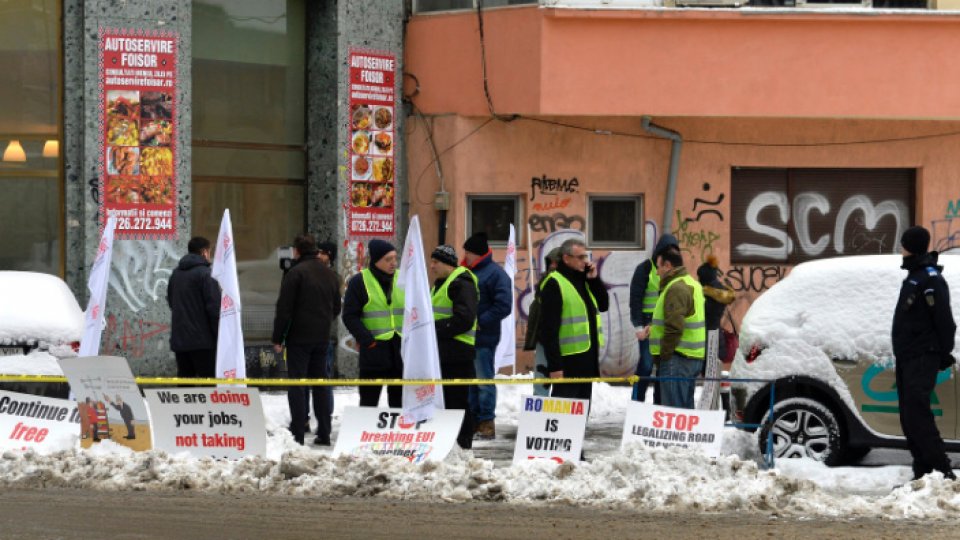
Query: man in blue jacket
[[495, 304]]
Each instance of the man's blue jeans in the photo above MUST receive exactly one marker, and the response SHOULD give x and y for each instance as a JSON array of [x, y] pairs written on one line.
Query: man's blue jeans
[[483, 398], [644, 369], [679, 393]]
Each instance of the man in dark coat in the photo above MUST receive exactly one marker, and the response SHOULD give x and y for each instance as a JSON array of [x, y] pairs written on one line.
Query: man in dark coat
[[923, 341], [496, 302], [194, 300], [592, 293], [309, 300], [456, 354], [644, 289], [379, 358]]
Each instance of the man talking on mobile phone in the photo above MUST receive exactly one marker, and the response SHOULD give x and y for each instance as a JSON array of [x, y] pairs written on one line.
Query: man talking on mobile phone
[[570, 328]]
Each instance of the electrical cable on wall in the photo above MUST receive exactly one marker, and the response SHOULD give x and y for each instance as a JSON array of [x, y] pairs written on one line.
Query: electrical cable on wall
[[483, 67]]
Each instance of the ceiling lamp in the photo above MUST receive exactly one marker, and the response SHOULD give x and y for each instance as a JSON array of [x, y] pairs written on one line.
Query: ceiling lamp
[[51, 148], [14, 152]]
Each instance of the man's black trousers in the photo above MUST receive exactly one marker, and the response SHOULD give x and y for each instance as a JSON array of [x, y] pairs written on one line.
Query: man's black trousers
[[916, 379], [308, 362]]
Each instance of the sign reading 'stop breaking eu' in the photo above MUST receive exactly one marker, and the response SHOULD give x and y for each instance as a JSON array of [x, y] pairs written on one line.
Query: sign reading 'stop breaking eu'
[[372, 143], [138, 80]]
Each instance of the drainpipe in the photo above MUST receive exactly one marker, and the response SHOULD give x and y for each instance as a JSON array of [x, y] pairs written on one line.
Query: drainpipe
[[675, 146]]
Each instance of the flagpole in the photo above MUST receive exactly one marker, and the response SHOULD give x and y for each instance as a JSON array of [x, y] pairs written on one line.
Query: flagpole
[[97, 285]]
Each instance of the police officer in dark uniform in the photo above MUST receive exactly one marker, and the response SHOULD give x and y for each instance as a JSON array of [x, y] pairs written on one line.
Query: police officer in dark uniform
[[923, 339]]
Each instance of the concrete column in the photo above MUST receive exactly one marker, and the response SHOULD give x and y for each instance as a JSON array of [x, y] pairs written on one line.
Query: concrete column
[[137, 313]]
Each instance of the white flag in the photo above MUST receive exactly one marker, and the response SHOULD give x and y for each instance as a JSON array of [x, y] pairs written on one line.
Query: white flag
[[230, 359], [421, 359], [96, 306], [506, 354]]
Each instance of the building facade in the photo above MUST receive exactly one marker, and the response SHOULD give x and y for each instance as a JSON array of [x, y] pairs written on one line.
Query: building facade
[[796, 134], [167, 112]]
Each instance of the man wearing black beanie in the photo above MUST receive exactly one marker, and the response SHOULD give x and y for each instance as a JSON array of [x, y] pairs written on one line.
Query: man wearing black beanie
[[373, 314], [923, 341], [496, 302]]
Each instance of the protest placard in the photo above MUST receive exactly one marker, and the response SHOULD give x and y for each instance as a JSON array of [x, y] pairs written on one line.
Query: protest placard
[[214, 422], [550, 428], [386, 432], [109, 401], [38, 423], [658, 426]]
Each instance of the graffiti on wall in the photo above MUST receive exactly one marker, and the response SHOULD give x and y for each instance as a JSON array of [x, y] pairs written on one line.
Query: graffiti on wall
[[141, 270], [945, 233], [558, 221], [856, 212], [697, 232], [132, 338], [551, 187]]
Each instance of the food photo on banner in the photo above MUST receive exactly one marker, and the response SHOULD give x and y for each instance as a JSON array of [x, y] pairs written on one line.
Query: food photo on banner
[[372, 147], [108, 401], [37, 423], [208, 422], [385, 432], [550, 428], [657, 426], [138, 81]]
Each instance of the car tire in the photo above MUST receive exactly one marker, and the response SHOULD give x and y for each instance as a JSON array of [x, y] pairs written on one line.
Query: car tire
[[855, 454], [803, 427]]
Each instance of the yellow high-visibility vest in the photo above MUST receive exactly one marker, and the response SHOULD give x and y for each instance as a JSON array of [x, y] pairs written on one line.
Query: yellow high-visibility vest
[[693, 340], [381, 319], [574, 322], [652, 291], [443, 305]]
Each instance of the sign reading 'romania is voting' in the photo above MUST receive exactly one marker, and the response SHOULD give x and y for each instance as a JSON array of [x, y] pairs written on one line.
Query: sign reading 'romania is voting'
[[550, 428]]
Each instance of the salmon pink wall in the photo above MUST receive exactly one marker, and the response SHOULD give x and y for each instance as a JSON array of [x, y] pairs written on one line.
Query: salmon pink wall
[[503, 157], [689, 63]]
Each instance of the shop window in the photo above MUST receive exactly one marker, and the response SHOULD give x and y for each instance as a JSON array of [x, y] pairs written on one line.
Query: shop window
[[30, 125], [788, 216], [493, 215], [615, 221], [249, 137]]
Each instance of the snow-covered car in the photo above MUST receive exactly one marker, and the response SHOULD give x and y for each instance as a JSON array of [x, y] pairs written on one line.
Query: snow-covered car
[[821, 337], [40, 321]]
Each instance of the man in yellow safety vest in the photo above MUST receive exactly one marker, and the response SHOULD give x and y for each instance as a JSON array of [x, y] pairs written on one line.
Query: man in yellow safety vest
[[373, 314], [678, 331], [455, 298], [644, 290], [572, 298]]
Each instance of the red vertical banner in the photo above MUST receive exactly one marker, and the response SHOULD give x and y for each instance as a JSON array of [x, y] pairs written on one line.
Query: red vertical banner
[[372, 167], [138, 83]]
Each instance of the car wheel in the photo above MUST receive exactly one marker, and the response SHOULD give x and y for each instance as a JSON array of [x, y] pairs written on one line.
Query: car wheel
[[855, 454], [803, 428]]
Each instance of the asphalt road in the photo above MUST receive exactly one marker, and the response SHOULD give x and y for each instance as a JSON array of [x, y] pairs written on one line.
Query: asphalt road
[[76, 514]]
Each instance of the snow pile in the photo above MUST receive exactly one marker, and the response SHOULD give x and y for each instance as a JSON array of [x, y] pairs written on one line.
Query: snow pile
[[636, 479], [38, 308]]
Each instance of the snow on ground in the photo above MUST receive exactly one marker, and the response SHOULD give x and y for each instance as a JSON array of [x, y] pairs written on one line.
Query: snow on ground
[[637, 478]]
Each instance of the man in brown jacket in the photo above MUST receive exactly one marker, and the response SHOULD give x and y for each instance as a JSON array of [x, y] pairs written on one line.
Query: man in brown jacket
[[678, 333]]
